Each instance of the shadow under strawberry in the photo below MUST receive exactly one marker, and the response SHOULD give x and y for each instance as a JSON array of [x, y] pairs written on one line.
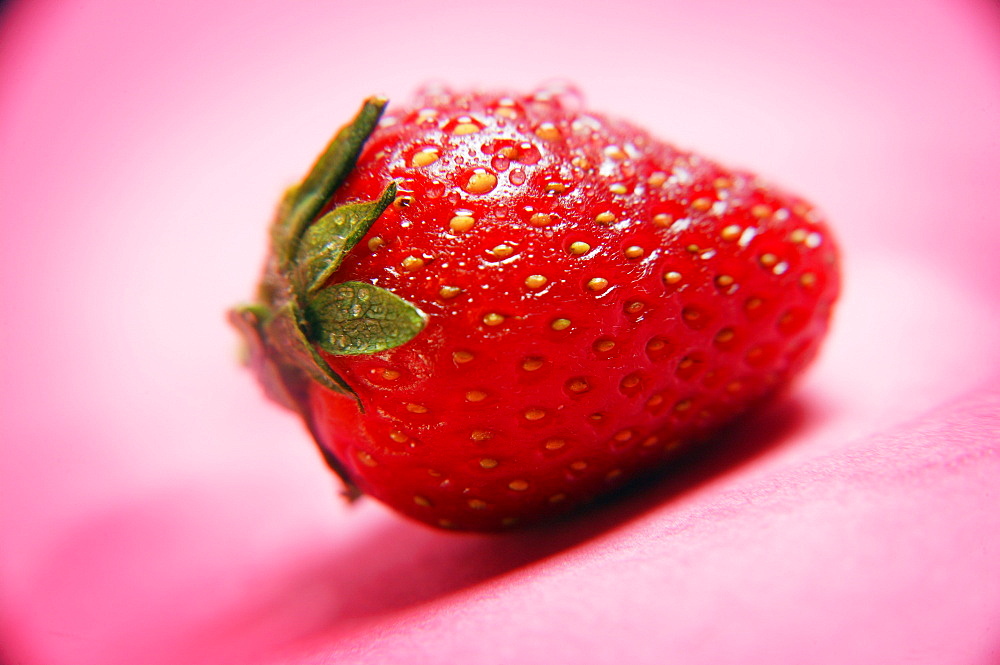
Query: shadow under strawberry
[[402, 564]]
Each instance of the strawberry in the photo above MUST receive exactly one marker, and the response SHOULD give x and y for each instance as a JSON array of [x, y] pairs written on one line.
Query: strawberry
[[489, 309]]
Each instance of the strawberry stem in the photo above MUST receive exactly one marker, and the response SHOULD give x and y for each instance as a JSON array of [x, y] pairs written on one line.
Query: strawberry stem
[[300, 315]]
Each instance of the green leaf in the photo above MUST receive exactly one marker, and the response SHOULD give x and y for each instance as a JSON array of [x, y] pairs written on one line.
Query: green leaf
[[305, 201], [355, 318], [325, 244], [284, 332]]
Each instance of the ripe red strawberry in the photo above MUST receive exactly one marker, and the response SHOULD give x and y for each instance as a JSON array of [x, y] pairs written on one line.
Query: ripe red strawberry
[[508, 305]]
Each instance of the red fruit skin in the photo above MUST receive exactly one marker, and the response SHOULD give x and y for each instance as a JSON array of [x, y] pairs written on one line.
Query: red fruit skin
[[718, 291]]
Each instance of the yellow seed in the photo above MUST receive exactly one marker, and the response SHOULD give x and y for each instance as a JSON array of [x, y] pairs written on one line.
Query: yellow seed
[[578, 386], [702, 204], [476, 504], [597, 284], [634, 252], [753, 303], [518, 485], [535, 281], [448, 292], [561, 324], [502, 251], [555, 444], [463, 128], [808, 280], [534, 414], [488, 463], [618, 188], [724, 281], [481, 182], [416, 408], [425, 157], [672, 277], [481, 435], [605, 218], [630, 381], [493, 319], [579, 248], [767, 260], [427, 115], [462, 356], [654, 401], [722, 183], [623, 436], [531, 364], [725, 335], [541, 219], [604, 345], [657, 178], [556, 498], [682, 406], [421, 501], [634, 307], [413, 263], [375, 242], [475, 395], [366, 459], [548, 132], [555, 187], [461, 223], [579, 465], [663, 220], [398, 437], [650, 441], [731, 232], [403, 201], [798, 236], [615, 153], [390, 374], [760, 211]]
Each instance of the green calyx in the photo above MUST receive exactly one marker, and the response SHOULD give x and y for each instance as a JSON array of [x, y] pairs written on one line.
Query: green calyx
[[300, 309]]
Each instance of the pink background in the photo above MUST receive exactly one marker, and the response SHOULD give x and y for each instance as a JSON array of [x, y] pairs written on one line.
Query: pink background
[[154, 509]]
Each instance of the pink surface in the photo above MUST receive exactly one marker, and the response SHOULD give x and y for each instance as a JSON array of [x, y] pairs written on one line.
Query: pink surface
[[154, 509]]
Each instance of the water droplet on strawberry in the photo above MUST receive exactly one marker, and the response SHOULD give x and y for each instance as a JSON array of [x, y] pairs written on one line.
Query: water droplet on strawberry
[[500, 162], [527, 153], [434, 190], [480, 181]]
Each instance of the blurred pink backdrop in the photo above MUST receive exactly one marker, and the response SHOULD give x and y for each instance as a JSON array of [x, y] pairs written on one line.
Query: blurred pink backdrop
[[155, 509]]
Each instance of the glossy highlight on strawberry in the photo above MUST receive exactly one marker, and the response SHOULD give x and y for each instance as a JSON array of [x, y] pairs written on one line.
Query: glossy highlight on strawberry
[[520, 304]]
